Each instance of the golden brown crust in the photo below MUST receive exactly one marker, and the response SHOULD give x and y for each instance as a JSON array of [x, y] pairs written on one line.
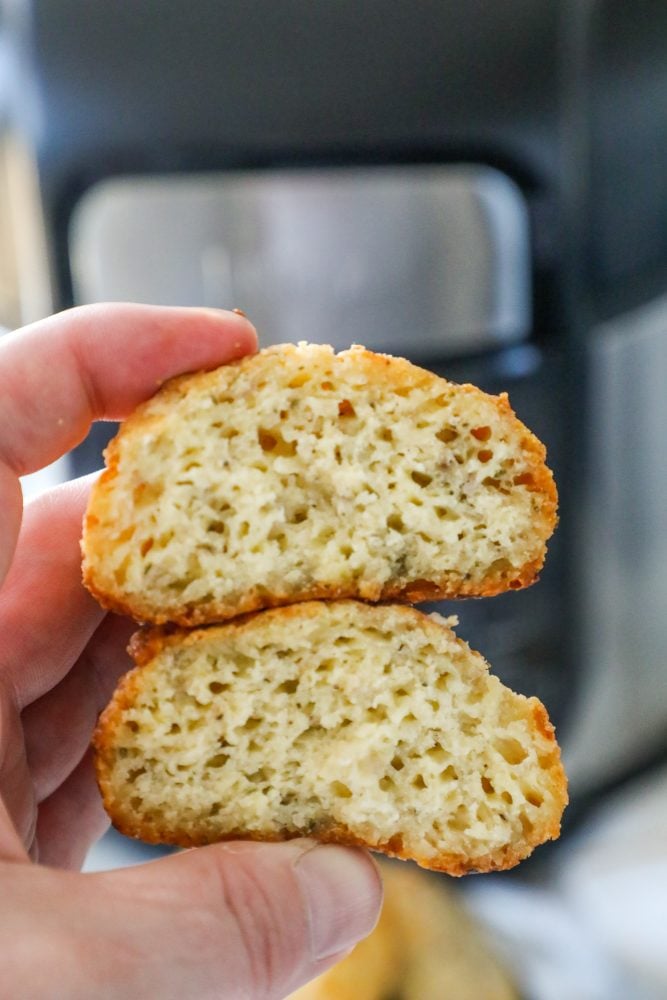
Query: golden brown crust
[[375, 368], [329, 833], [453, 587], [149, 642]]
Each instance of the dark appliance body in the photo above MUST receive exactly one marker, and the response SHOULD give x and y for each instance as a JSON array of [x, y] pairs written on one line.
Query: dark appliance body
[[481, 187]]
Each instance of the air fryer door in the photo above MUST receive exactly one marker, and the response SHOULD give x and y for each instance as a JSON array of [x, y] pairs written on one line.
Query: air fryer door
[[433, 261]]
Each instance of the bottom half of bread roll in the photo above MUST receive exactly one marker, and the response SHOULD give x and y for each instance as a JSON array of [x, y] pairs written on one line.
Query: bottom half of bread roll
[[349, 723]]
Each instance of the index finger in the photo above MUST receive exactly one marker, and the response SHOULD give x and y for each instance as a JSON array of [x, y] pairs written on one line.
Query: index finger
[[91, 363]]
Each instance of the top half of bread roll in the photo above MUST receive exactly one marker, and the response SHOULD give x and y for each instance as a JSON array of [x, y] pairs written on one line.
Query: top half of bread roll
[[300, 473]]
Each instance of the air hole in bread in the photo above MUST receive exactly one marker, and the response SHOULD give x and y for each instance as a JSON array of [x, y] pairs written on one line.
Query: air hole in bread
[[437, 753], [501, 565], [421, 478], [299, 380], [547, 760], [216, 527], [257, 776], [242, 664], [340, 790], [447, 435], [146, 494], [469, 724], [483, 813], [526, 825], [493, 483], [120, 574], [287, 687], [446, 514], [510, 749], [218, 760], [533, 797], [273, 442], [481, 433], [126, 535], [346, 409], [396, 523], [460, 820]]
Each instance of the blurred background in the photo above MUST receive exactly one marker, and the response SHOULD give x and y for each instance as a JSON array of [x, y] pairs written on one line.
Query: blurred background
[[480, 187]]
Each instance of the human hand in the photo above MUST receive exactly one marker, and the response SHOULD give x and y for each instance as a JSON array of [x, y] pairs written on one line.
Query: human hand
[[233, 921]]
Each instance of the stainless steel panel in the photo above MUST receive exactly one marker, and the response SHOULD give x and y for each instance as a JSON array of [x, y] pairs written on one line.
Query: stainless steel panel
[[426, 260], [622, 551]]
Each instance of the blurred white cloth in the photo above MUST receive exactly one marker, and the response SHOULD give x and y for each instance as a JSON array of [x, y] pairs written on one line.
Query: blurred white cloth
[[598, 930], [614, 877], [552, 954]]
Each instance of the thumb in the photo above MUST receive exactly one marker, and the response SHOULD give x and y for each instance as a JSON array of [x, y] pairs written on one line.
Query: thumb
[[238, 921], [246, 920]]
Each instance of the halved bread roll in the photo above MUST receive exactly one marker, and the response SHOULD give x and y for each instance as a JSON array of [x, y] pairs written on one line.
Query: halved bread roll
[[347, 722], [299, 474]]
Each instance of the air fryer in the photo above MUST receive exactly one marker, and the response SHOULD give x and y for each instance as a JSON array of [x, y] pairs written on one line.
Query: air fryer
[[480, 187]]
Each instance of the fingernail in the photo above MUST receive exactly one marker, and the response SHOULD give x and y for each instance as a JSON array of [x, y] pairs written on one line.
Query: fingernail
[[342, 894]]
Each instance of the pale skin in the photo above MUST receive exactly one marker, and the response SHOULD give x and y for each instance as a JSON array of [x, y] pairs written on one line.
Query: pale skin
[[230, 921]]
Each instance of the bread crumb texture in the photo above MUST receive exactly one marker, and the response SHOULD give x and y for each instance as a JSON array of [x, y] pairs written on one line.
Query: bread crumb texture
[[347, 722], [299, 474]]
